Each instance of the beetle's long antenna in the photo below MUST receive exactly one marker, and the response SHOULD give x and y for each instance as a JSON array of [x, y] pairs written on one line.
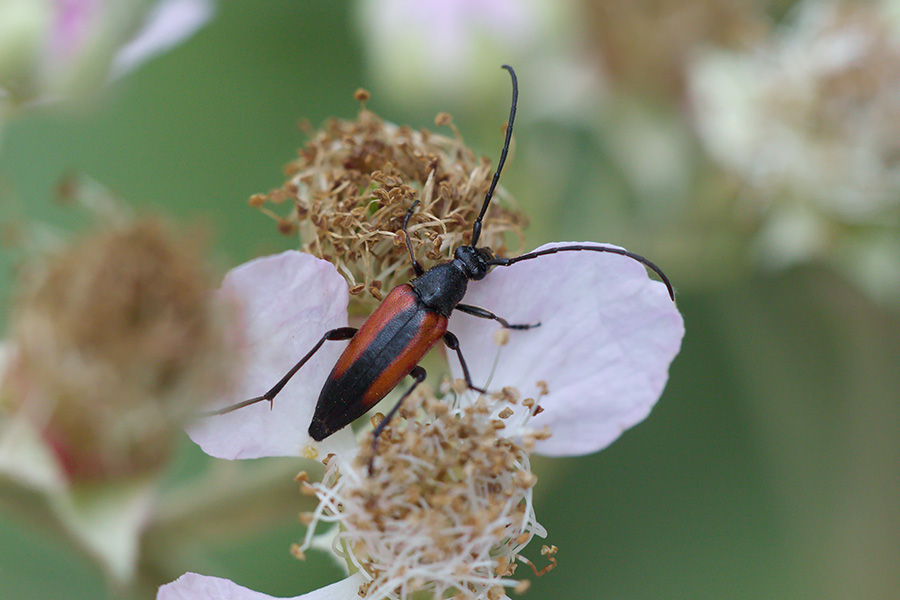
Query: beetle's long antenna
[[505, 262], [476, 227]]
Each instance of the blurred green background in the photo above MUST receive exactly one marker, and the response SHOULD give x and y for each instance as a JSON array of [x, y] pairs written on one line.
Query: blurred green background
[[770, 467]]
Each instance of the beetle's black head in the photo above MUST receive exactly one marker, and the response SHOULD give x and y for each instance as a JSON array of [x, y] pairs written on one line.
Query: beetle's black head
[[475, 260]]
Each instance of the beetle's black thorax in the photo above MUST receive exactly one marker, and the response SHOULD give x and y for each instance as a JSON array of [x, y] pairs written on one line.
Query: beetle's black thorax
[[443, 286]]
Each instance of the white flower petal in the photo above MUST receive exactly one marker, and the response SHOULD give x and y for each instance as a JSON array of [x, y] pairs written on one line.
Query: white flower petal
[[169, 23], [607, 336], [191, 586], [289, 301]]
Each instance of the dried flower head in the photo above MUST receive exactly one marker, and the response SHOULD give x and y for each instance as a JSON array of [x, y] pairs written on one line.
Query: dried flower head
[[446, 511], [355, 180], [116, 339]]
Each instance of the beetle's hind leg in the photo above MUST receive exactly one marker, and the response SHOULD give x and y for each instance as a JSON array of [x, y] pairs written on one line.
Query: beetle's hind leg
[[483, 313], [333, 335], [418, 374]]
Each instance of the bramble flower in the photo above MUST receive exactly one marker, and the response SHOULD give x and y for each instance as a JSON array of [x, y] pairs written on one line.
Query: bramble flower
[[447, 508], [644, 47], [407, 39], [460, 35], [443, 505]]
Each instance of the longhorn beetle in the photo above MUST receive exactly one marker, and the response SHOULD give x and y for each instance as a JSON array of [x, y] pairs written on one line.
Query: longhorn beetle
[[410, 321]]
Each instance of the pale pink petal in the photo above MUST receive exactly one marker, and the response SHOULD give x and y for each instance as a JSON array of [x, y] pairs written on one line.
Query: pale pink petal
[[74, 22], [191, 586], [607, 336], [289, 301]]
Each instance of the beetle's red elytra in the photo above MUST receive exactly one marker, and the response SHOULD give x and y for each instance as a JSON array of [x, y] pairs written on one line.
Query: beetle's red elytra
[[386, 349]]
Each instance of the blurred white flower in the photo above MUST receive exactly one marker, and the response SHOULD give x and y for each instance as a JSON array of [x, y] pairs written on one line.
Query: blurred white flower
[[419, 50], [59, 48], [812, 113], [810, 120], [448, 504]]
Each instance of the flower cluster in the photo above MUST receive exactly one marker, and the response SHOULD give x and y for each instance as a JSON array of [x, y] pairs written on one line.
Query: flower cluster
[[442, 506]]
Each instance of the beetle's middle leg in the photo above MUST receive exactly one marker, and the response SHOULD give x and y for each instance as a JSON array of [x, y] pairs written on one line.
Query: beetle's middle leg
[[483, 313], [453, 343]]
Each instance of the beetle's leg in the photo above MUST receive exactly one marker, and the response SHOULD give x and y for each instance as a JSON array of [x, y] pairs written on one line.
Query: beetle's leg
[[418, 373], [477, 311], [341, 333], [453, 344], [416, 266]]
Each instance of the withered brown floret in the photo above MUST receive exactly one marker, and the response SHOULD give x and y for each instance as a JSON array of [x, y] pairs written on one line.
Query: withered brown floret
[[354, 181], [116, 338]]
